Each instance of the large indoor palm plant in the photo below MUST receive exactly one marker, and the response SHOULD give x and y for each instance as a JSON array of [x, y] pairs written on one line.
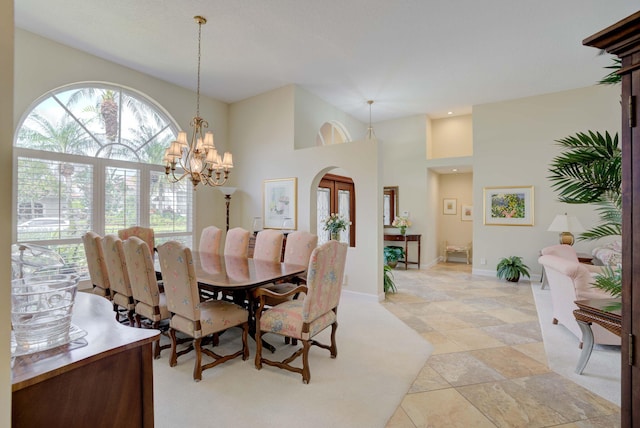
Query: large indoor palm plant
[[589, 170]]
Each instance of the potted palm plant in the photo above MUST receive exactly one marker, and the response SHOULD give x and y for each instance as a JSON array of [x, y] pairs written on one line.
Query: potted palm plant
[[511, 268], [389, 282]]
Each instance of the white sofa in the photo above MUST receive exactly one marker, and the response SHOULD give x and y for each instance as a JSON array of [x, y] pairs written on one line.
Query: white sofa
[[570, 280]]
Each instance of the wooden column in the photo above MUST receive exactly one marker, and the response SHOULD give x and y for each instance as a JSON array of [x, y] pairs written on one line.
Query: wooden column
[[623, 39]]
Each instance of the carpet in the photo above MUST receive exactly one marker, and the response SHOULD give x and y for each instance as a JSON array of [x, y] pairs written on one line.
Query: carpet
[[602, 373], [378, 360]]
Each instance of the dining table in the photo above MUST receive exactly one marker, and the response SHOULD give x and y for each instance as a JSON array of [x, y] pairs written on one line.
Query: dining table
[[238, 276]]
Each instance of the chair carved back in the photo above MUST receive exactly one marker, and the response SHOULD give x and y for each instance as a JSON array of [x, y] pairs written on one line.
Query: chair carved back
[[95, 260], [116, 265], [268, 245], [141, 271], [210, 240], [237, 242], [324, 279], [144, 233], [180, 283], [300, 244]]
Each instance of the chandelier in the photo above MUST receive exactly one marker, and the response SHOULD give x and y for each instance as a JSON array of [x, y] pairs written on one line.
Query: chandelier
[[198, 158]]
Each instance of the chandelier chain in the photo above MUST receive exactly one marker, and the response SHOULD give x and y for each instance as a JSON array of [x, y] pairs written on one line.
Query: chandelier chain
[[198, 86]]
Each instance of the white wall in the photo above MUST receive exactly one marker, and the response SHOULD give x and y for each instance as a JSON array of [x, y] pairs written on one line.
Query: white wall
[[267, 145], [451, 227], [6, 136], [42, 65], [452, 137], [514, 142]]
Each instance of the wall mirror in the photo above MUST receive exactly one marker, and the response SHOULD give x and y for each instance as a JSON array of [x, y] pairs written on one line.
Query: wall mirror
[[389, 205]]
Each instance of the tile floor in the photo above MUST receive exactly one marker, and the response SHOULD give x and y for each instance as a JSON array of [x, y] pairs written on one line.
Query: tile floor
[[488, 368]]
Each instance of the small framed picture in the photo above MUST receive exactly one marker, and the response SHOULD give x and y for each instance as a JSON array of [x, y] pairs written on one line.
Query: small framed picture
[[450, 206], [279, 199], [467, 213]]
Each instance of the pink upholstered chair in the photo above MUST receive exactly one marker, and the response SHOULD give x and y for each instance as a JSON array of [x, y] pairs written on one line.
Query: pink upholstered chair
[[302, 319], [121, 294], [151, 304], [268, 245], [190, 316], [144, 233], [237, 242], [210, 240], [298, 250], [570, 281], [95, 262]]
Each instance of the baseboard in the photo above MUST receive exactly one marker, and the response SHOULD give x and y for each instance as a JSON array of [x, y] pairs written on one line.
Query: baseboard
[[364, 296]]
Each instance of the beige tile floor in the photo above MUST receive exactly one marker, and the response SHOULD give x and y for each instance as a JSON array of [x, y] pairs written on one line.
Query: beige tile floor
[[488, 368]]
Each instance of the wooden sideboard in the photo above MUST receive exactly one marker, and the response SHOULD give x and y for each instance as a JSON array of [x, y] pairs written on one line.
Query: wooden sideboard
[[106, 381], [406, 239]]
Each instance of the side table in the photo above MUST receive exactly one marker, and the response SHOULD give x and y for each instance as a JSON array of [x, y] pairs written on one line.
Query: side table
[[604, 312]]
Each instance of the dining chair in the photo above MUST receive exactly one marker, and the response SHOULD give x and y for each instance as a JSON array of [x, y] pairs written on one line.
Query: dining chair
[[300, 244], [145, 233], [194, 318], [95, 263], [151, 304], [268, 245], [210, 240], [237, 242], [303, 319], [121, 294]]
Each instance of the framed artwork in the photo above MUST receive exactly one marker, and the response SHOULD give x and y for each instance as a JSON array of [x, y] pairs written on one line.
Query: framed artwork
[[467, 213], [450, 206], [508, 206], [279, 202]]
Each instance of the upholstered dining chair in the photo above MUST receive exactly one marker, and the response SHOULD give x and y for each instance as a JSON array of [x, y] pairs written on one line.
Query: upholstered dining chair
[[298, 250], [151, 304], [268, 245], [144, 233], [194, 318], [121, 294], [303, 319], [210, 240], [95, 262], [237, 242]]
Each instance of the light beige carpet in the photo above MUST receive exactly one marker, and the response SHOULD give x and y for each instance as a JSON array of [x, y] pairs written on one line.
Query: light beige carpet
[[378, 359], [602, 373]]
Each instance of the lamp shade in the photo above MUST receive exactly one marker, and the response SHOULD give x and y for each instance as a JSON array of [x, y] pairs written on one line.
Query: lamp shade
[[565, 223], [227, 191]]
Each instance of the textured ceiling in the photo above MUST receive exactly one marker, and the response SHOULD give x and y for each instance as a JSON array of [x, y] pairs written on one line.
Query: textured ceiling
[[410, 56]]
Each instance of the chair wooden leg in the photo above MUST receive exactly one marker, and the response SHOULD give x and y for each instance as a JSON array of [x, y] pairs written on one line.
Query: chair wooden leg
[[197, 368], [334, 347], [245, 338], [306, 374], [258, 346], [173, 360]]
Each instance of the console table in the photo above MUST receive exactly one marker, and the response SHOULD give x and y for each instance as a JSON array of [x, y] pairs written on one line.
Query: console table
[[406, 239], [102, 380]]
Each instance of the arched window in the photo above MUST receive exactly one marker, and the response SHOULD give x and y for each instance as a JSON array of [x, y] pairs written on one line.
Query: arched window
[[89, 157], [332, 132]]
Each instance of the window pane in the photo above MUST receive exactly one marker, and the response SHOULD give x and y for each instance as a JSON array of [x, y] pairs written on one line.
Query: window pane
[[54, 199], [170, 204], [324, 210], [122, 198], [344, 209]]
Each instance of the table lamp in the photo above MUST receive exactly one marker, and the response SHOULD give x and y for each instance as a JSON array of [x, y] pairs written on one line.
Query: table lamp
[[566, 225]]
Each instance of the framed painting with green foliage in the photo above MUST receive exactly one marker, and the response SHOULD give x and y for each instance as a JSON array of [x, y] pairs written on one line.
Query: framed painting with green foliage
[[508, 206]]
